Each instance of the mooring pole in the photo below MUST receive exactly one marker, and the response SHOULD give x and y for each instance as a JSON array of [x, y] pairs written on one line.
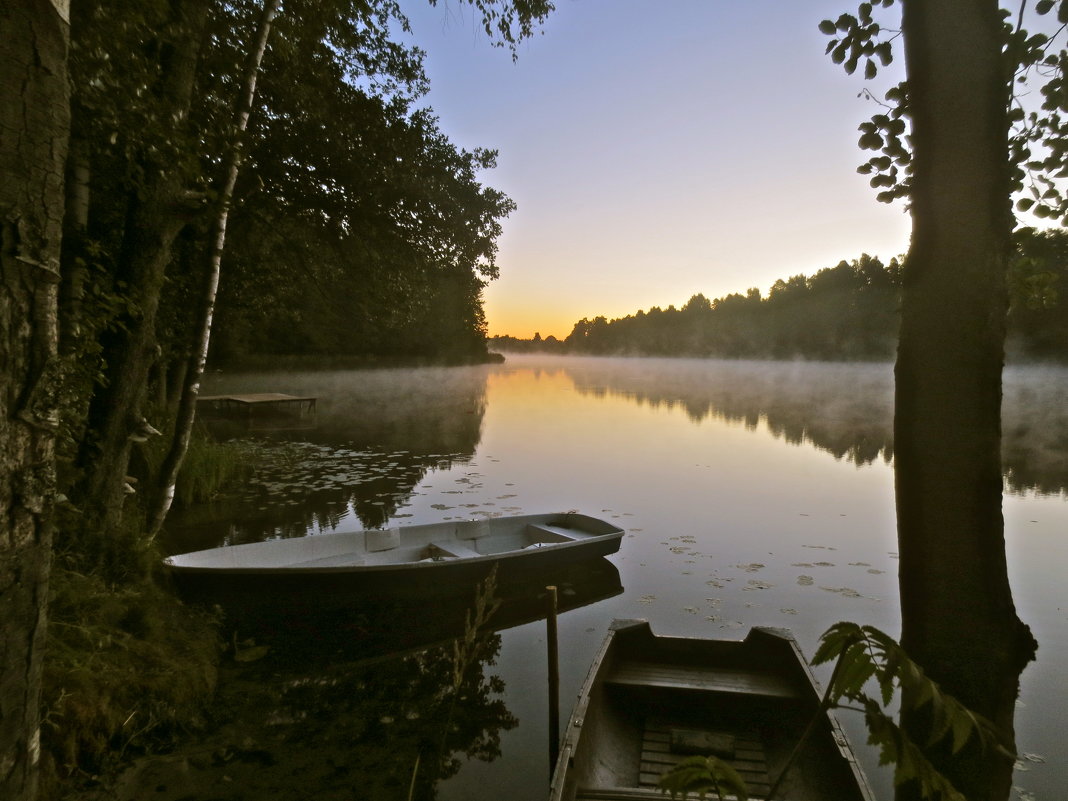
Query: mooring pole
[[554, 680]]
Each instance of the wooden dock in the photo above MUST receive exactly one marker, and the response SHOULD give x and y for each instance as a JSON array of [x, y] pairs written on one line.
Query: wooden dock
[[268, 401]]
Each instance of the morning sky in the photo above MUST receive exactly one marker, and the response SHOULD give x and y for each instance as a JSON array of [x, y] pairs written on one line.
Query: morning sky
[[659, 148]]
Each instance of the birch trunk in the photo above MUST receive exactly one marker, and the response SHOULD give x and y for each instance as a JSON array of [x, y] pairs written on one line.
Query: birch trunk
[[183, 426]]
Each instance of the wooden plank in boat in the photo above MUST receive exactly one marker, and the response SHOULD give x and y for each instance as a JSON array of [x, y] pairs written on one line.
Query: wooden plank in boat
[[696, 677], [620, 794], [657, 758], [623, 794]]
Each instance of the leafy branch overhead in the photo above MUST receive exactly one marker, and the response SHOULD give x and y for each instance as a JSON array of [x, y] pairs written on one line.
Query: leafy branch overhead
[[863, 655], [1038, 139]]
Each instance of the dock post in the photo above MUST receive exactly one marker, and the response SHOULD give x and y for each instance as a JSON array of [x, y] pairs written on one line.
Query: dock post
[[554, 680]]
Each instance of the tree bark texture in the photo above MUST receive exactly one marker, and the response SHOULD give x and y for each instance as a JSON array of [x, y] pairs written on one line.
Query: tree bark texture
[[156, 215], [958, 616], [34, 128]]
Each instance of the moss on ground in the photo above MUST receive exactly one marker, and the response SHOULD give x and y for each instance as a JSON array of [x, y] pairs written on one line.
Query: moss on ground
[[128, 669]]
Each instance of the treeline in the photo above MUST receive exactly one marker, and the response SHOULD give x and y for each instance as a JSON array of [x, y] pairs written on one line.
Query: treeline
[[846, 312]]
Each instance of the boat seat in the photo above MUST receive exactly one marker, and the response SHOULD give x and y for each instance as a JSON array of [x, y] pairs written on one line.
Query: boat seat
[[338, 560], [556, 531], [695, 677], [453, 548]]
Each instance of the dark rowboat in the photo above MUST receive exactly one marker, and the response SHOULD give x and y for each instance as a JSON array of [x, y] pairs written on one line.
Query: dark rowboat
[[649, 702], [402, 559]]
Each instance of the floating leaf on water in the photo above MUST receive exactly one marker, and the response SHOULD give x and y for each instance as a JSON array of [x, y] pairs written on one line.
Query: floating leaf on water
[[847, 592]]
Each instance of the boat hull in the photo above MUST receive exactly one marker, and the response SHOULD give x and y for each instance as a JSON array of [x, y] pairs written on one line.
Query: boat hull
[[649, 702], [415, 560]]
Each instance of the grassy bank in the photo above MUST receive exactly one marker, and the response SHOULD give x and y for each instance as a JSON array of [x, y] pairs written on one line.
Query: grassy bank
[[129, 667]]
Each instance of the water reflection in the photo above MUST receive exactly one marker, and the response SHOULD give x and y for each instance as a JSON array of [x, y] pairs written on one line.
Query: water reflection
[[843, 409], [377, 434], [368, 701], [380, 433], [725, 528], [308, 622]]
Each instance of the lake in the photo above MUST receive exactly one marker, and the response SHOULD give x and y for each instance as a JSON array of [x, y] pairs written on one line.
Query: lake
[[751, 493]]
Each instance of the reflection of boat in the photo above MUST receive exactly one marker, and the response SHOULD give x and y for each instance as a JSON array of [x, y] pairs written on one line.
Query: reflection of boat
[[413, 558], [649, 702], [368, 629]]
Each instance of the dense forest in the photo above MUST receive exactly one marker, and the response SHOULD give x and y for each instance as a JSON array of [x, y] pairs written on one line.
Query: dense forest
[[248, 175], [846, 312], [356, 227]]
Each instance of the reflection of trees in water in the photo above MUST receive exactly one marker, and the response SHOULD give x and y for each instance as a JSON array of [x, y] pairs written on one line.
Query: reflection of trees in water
[[313, 718], [844, 409], [374, 724], [351, 701], [377, 434], [1034, 430]]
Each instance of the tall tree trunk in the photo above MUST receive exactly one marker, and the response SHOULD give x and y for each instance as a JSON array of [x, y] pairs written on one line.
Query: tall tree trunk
[[958, 616], [34, 128], [157, 213], [183, 427]]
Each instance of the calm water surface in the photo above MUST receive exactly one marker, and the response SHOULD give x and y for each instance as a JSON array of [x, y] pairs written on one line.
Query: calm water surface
[[751, 494]]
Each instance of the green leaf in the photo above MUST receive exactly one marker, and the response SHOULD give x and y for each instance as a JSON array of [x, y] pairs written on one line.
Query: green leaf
[[846, 23], [870, 141], [828, 27], [870, 70], [698, 774]]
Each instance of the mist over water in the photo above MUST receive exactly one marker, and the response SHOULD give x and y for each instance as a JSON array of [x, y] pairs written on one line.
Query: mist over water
[[752, 493]]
